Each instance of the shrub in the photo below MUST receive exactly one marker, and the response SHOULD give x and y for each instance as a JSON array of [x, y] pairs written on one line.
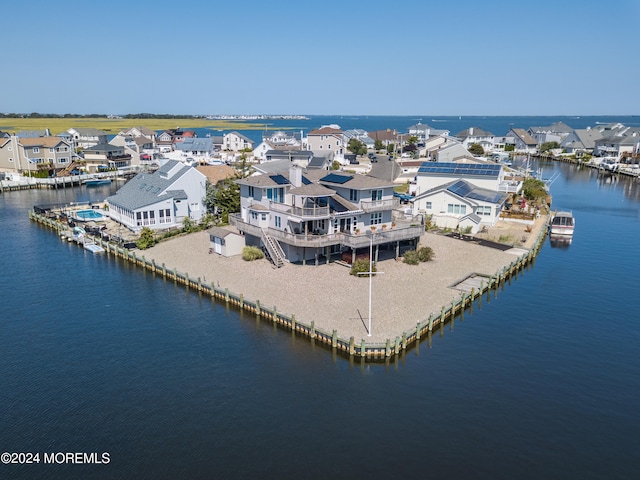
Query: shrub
[[361, 265], [146, 239], [411, 257], [426, 254], [252, 253]]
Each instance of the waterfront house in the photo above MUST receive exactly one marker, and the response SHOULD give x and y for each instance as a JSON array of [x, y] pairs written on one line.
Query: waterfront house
[[160, 200], [300, 215], [236, 142], [225, 242], [521, 140], [87, 137], [459, 204], [105, 156], [581, 141], [31, 154], [486, 175], [556, 132]]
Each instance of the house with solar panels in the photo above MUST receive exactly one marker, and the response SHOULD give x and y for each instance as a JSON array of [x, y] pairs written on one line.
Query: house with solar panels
[[160, 200], [459, 195], [311, 215]]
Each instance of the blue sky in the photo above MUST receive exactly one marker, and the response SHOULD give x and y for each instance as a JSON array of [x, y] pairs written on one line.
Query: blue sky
[[497, 57]]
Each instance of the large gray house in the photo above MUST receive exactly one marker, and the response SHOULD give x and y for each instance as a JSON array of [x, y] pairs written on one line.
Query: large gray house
[[302, 215]]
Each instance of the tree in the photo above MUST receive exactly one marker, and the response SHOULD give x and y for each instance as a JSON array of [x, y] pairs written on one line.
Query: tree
[[476, 149], [356, 146], [546, 146], [378, 145], [223, 198], [391, 148], [146, 240]]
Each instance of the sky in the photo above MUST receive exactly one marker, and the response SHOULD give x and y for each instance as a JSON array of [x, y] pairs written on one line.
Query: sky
[[204, 57]]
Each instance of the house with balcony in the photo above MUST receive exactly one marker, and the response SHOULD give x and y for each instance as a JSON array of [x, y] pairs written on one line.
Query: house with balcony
[[475, 135], [26, 154], [87, 137], [521, 140], [105, 156], [303, 216], [160, 200]]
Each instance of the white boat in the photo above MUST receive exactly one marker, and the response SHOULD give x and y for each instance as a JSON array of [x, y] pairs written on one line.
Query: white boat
[[562, 223]]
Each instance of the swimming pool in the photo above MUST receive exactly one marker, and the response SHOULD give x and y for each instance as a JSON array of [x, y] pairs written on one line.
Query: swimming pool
[[87, 215]]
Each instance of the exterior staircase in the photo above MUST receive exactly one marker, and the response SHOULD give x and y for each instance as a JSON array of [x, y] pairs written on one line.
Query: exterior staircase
[[272, 249], [67, 171]]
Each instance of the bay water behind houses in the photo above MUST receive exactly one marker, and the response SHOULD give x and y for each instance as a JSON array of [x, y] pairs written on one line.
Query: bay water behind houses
[[541, 380]]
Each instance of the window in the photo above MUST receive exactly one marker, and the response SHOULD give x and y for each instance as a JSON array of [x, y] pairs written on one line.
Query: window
[[254, 215], [10, 149], [264, 217], [456, 209], [376, 218], [251, 192], [428, 206], [11, 160], [376, 195], [36, 150], [353, 195], [278, 222], [486, 211], [51, 150]]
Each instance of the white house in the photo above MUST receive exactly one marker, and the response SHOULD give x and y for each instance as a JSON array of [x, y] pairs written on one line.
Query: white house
[[460, 204], [236, 142], [87, 137], [161, 199]]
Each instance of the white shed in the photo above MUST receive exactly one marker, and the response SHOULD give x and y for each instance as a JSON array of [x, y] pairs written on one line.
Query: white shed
[[225, 242]]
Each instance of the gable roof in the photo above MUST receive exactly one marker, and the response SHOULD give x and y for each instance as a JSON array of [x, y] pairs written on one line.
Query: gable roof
[[325, 131], [87, 132], [523, 135], [149, 188], [468, 191], [41, 141]]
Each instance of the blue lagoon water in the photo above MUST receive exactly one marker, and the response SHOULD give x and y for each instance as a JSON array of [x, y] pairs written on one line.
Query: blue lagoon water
[[540, 380]]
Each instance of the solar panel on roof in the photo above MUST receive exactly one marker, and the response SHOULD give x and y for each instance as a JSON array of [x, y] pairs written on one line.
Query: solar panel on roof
[[460, 188], [279, 179], [335, 178]]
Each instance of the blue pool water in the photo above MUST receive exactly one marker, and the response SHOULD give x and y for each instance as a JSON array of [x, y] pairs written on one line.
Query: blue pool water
[[89, 215]]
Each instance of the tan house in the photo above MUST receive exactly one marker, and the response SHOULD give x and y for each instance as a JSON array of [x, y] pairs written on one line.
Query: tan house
[[34, 154], [328, 141]]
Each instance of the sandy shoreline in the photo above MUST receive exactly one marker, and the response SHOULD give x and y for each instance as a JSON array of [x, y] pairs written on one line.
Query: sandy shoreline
[[334, 299]]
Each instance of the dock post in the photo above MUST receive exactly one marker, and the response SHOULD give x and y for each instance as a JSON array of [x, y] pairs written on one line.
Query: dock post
[[404, 340], [442, 316], [387, 350], [396, 346], [164, 271], [352, 346], [293, 322], [363, 348], [258, 309], [418, 332], [186, 279], [313, 329], [431, 322], [241, 301], [226, 295], [334, 339], [275, 314]]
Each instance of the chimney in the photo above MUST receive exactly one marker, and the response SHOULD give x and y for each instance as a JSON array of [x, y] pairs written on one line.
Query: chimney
[[295, 176], [470, 131]]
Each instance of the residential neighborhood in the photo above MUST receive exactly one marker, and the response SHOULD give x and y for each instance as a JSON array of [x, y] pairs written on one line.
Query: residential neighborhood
[[314, 197]]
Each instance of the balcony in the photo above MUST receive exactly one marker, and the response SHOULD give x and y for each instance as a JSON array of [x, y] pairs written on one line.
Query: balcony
[[305, 213], [400, 232], [370, 206]]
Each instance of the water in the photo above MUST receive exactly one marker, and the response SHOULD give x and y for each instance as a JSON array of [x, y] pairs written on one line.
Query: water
[[540, 381]]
